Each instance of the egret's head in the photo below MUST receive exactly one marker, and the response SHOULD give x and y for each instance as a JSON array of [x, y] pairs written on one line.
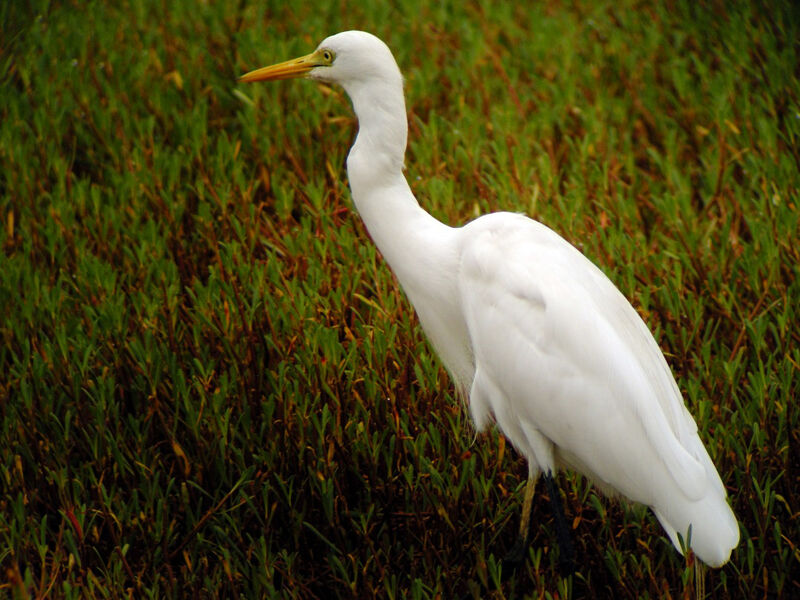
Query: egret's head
[[345, 58]]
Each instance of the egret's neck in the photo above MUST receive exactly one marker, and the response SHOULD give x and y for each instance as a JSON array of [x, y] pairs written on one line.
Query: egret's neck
[[422, 252], [406, 235], [382, 125]]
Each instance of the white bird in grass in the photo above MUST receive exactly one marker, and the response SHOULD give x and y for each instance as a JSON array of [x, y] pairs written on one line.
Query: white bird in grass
[[537, 336]]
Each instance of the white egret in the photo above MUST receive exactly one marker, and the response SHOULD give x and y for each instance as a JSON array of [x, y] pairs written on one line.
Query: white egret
[[535, 335]]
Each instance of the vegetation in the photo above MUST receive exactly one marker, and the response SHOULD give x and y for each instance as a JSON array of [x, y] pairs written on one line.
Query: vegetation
[[210, 382]]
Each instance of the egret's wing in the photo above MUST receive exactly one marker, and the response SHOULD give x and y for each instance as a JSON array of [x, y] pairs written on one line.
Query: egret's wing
[[572, 359]]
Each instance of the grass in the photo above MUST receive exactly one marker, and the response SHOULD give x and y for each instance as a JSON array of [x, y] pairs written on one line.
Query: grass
[[211, 385]]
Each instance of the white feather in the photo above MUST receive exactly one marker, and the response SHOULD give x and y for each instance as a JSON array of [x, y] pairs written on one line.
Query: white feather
[[546, 345]]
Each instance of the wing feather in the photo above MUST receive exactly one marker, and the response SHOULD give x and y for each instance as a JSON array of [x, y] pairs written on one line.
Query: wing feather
[[573, 359]]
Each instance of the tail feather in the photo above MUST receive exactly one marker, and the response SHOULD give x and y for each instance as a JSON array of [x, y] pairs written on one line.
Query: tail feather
[[714, 530]]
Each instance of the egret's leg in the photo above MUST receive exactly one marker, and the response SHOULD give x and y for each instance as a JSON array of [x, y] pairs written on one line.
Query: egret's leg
[[525, 521], [566, 558], [517, 554]]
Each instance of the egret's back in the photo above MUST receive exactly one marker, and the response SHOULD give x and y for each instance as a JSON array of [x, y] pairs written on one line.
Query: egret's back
[[574, 378]]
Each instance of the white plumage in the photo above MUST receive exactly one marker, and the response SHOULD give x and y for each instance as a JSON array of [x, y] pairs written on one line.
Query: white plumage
[[540, 339]]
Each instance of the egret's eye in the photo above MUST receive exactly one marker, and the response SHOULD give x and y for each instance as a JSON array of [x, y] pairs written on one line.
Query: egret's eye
[[327, 56]]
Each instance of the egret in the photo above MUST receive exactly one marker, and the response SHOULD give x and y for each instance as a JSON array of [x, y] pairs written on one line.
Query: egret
[[536, 338]]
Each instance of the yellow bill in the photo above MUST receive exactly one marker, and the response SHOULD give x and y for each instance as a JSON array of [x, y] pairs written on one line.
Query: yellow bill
[[297, 67]]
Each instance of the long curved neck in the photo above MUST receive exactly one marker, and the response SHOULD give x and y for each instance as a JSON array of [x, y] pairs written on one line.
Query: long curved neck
[[400, 228], [422, 252], [382, 125]]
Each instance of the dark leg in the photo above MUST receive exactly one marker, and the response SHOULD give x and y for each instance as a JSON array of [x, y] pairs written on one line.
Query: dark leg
[[566, 558]]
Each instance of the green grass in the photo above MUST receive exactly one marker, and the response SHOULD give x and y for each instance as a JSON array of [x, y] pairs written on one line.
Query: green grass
[[210, 383]]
